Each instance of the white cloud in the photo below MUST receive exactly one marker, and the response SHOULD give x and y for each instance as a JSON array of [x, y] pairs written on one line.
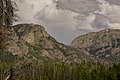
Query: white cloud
[[39, 11], [114, 25], [85, 22], [65, 19], [56, 21], [111, 12]]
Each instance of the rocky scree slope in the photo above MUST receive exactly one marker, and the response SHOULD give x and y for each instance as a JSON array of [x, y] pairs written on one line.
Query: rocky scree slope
[[104, 44], [32, 42]]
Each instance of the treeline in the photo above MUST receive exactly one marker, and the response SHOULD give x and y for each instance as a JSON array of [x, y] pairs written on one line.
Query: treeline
[[61, 71]]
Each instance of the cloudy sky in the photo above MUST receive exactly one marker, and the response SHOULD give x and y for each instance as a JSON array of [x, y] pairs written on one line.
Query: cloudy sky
[[66, 19]]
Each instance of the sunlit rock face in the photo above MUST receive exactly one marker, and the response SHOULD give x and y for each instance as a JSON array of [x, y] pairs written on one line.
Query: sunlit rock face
[[32, 42]]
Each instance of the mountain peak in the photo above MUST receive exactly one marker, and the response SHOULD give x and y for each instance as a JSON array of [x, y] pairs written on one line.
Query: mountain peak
[[103, 44]]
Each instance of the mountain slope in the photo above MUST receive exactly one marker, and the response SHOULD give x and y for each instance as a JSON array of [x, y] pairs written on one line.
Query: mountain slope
[[33, 43], [104, 44]]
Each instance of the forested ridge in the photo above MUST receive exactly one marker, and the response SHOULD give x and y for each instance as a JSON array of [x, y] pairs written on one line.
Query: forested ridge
[[60, 71]]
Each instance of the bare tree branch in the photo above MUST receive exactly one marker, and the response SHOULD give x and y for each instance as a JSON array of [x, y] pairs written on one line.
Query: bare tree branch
[[7, 10]]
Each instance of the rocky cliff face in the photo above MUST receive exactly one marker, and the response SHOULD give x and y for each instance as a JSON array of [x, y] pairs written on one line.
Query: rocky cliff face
[[104, 44], [34, 43]]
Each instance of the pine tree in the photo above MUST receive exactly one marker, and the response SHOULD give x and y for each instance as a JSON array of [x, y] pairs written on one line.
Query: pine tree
[[7, 15]]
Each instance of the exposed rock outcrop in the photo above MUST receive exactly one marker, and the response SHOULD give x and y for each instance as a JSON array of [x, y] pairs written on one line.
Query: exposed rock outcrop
[[104, 44], [33, 42]]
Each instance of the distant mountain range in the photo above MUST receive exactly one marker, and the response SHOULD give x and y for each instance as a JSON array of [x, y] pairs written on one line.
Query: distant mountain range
[[32, 42]]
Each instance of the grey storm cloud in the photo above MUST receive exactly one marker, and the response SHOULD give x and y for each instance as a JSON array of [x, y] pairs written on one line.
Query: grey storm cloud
[[100, 22], [66, 19], [79, 6], [117, 2]]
